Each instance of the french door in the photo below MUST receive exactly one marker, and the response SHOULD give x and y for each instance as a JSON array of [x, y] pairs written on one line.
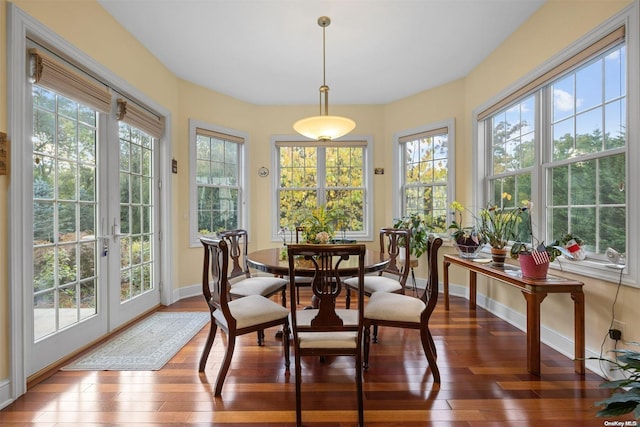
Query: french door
[[95, 236]]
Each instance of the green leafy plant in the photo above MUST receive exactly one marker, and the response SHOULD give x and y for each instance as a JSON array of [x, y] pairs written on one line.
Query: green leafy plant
[[318, 226], [626, 392], [461, 233], [499, 223], [419, 232]]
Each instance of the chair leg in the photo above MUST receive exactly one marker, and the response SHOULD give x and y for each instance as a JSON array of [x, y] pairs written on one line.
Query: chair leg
[[207, 346], [367, 340], [226, 363], [425, 336], [284, 297], [433, 345], [375, 333], [359, 389], [298, 389], [260, 335], [286, 345], [348, 299]]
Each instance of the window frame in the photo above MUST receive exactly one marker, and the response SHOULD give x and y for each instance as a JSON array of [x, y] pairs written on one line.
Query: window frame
[[243, 176], [591, 267], [367, 233], [399, 208]]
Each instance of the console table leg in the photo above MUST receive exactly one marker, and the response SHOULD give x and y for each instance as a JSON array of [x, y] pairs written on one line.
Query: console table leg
[[473, 280], [533, 331], [445, 273], [578, 325]]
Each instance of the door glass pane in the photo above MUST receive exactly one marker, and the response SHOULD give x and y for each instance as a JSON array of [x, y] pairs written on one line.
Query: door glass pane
[[64, 207], [136, 207]]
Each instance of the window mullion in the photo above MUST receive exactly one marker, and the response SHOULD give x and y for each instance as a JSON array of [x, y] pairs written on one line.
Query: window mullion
[[322, 175]]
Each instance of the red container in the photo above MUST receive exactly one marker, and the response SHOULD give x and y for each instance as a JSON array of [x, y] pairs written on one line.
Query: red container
[[532, 270]]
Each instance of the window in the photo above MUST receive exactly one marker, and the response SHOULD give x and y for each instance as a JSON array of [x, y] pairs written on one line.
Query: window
[[217, 180], [561, 142], [333, 175], [426, 177]]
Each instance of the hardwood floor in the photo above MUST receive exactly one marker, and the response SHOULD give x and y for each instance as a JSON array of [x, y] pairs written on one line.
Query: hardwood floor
[[481, 359]]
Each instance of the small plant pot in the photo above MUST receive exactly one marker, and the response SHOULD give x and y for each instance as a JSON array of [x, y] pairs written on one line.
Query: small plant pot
[[498, 256], [532, 270]]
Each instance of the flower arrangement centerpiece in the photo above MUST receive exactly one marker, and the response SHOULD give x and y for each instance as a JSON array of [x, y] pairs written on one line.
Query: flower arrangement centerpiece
[[417, 225], [468, 240], [318, 226], [498, 223]]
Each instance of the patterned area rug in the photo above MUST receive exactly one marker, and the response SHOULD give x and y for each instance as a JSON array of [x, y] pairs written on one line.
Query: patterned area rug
[[146, 346]]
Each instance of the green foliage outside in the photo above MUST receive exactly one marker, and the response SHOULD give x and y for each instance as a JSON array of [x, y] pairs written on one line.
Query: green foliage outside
[[343, 186], [585, 198], [426, 179]]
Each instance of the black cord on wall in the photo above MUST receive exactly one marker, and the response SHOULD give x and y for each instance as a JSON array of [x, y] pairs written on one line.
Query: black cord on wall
[[606, 335]]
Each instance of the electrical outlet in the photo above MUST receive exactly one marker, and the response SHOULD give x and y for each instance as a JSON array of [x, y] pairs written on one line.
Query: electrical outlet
[[616, 324]]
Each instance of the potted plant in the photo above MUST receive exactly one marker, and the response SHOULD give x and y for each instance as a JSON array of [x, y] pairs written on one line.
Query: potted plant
[[498, 224], [419, 232], [573, 244], [468, 240], [626, 391], [535, 256]]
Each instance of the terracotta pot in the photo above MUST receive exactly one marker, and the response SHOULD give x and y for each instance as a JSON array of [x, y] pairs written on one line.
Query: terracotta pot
[[532, 270], [498, 255]]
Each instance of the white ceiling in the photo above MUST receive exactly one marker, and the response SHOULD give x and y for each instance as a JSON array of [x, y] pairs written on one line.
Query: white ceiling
[[269, 52]]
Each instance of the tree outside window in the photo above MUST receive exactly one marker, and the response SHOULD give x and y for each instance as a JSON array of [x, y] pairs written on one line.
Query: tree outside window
[[330, 175]]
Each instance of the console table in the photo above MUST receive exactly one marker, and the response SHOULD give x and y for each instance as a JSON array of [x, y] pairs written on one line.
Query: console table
[[534, 291]]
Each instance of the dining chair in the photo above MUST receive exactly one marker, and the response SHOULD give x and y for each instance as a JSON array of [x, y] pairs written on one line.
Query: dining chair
[[243, 283], [405, 311], [327, 330], [252, 313], [394, 242]]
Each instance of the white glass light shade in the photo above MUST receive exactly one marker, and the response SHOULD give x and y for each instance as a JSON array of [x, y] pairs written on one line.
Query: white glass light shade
[[324, 128]]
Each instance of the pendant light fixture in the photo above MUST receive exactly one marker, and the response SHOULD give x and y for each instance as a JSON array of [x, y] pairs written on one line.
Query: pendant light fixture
[[324, 127]]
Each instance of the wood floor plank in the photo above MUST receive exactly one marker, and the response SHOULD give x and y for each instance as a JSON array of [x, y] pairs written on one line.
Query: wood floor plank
[[482, 361]]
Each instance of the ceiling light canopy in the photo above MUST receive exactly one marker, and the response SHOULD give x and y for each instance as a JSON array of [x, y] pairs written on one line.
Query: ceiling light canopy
[[324, 127]]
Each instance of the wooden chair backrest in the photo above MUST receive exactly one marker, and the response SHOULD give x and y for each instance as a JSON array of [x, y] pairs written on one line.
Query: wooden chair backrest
[[325, 263], [430, 295], [395, 242], [238, 246], [215, 282]]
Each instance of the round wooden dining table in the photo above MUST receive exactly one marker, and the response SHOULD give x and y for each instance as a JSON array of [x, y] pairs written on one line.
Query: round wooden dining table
[[271, 261]]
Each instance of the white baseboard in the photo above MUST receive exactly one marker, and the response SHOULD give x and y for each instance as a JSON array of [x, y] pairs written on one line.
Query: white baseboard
[[5, 394], [561, 343], [187, 292]]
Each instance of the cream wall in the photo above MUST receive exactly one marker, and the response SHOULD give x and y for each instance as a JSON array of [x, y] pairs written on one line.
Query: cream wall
[[87, 26]]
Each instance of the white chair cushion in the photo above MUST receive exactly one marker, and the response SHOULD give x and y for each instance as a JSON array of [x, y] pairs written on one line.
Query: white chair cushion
[[252, 310], [376, 284], [327, 339], [262, 285], [386, 306]]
